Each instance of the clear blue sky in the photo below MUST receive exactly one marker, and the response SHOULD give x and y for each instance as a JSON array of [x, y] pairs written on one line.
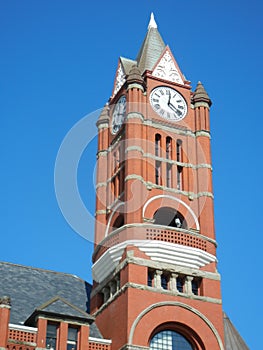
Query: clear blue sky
[[57, 64]]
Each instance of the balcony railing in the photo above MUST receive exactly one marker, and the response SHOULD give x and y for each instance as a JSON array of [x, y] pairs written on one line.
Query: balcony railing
[[190, 238]]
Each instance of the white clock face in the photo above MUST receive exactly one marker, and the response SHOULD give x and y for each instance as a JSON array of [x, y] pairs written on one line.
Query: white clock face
[[168, 103], [118, 115]]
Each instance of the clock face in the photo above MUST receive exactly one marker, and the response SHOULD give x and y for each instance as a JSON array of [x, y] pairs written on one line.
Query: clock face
[[118, 115], [168, 103]]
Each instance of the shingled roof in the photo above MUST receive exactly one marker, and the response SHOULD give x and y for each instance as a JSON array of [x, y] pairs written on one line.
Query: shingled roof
[[34, 289], [151, 49], [233, 340]]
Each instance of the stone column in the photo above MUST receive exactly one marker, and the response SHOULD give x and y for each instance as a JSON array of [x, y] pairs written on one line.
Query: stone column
[[157, 279], [173, 282], [188, 285]]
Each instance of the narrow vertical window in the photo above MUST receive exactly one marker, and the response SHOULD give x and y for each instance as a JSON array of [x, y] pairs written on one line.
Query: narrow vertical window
[[158, 145], [72, 341], [179, 177], [195, 286], [51, 338], [158, 173], [180, 284], [169, 175], [179, 150], [164, 281], [179, 167], [150, 279], [168, 147]]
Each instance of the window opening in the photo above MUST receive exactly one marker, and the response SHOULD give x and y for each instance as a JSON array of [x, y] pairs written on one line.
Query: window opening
[[169, 175], [51, 338], [169, 217], [164, 282], [179, 177], [168, 147], [72, 338], [158, 145], [195, 286], [179, 150], [169, 340], [180, 284], [158, 173]]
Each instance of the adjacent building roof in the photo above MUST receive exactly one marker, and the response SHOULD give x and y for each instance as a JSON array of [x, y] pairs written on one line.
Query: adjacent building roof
[[32, 289], [233, 340]]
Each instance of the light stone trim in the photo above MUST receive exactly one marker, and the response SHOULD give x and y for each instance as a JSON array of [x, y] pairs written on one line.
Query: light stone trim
[[103, 153], [120, 204], [154, 290], [101, 184], [173, 269], [201, 104], [100, 341], [178, 304], [134, 115], [176, 200], [135, 86], [160, 126], [134, 148], [22, 328], [158, 251], [103, 126], [151, 185], [134, 347], [100, 212]]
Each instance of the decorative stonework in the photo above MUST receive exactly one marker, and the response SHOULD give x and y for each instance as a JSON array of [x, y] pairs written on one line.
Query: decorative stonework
[[5, 300], [167, 70], [120, 79]]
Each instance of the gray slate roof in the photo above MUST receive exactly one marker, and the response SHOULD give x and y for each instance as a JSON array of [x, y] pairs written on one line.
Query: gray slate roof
[[151, 50], [233, 340], [30, 288]]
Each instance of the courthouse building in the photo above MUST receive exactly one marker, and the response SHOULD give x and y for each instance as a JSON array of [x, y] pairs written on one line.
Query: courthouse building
[[155, 280]]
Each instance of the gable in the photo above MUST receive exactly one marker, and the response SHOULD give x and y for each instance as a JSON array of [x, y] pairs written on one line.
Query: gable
[[167, 69]]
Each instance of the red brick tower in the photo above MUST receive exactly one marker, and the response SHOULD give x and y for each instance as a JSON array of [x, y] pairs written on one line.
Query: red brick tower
[[156, 285]]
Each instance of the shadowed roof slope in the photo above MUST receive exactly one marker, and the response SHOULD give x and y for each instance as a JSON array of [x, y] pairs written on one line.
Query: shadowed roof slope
[[233, 340], [29, 288], [151, 49]]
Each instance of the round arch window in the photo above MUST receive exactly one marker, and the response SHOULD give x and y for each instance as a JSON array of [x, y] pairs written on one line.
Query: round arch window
[[169, 217], [169, 340]]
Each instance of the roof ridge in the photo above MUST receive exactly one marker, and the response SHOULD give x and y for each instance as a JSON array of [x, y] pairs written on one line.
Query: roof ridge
[[56, 298]]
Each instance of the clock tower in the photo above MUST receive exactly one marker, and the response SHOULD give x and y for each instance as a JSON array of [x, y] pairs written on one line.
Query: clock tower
[[156, 284]]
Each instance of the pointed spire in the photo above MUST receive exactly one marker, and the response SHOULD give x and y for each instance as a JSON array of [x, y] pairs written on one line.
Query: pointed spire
[[200, 94], [135, 75], [152, 23], [104, 116], [152, 47]]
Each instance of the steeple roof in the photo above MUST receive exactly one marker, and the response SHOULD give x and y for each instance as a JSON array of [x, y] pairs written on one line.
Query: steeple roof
[[152, 47], [233, 340]]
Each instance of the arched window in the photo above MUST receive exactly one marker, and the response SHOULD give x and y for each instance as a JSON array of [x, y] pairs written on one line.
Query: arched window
[[169, 340], [169, 217], [168, 147], [119, 222], [158, 145]]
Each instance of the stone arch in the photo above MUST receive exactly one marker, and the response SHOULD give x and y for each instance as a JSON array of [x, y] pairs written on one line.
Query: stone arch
[[169, 311], [113, 216], [160, 201]]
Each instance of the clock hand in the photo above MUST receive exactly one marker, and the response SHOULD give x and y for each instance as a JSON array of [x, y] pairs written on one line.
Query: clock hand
[[169, 99], [174, 109]]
